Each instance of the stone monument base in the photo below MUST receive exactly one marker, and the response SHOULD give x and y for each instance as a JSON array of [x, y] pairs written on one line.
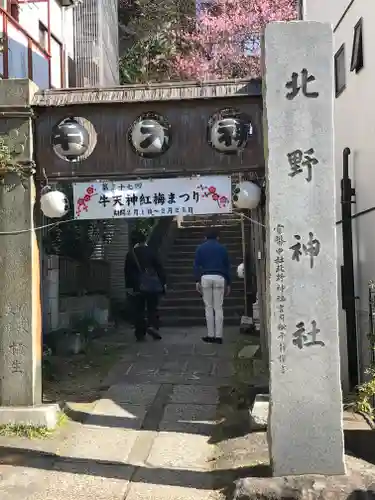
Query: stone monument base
[[33, 416]]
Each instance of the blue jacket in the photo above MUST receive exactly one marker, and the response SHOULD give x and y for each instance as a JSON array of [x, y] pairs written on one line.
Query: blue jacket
[[212, 258]]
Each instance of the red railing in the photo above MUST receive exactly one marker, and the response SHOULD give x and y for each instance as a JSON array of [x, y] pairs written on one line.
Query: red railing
[[22, 56]]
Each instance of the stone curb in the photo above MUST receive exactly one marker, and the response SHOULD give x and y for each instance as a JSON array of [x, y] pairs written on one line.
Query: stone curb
[[304, 488]]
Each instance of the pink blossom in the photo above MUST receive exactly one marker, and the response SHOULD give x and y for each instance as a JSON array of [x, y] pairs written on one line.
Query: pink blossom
[[225, 42]]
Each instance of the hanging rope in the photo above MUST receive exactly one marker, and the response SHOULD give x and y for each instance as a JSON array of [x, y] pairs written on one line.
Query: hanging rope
[[23, 231]]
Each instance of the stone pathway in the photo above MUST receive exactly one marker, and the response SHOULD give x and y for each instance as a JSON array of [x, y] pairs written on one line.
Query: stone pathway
[[148, 438]]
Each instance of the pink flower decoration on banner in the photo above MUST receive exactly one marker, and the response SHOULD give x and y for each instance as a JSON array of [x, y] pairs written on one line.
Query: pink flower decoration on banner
[[82, 203], [211, 192]]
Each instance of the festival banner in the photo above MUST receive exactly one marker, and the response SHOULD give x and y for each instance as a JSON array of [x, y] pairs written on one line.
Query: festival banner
[[153, 198]]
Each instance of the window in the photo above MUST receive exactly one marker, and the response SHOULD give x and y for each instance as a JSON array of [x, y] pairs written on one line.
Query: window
[[340, 71], [14, 9], [357, 53], [57, 63], [43, 36]]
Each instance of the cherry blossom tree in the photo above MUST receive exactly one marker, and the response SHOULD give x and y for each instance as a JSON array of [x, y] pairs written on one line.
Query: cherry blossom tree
[[192, 40], [225, 41]]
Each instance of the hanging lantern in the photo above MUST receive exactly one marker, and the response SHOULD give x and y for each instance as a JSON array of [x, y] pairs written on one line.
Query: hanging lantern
[[150, 135], [228, 131], [54, 204], [70, 140], [246, 195]]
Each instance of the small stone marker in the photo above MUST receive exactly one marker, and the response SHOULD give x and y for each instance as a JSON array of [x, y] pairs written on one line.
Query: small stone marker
[[306, 418], [259, 413]]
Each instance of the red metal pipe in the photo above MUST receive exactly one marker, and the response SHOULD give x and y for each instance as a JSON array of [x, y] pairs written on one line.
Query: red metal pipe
[[49, 42], [5, 48]]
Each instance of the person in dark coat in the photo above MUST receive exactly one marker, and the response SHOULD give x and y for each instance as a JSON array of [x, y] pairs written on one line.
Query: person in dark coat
[[138, 259]]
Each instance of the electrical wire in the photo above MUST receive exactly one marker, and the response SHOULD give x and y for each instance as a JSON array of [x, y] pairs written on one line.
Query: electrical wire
[[250, 219], [29, 230], [55, 224]]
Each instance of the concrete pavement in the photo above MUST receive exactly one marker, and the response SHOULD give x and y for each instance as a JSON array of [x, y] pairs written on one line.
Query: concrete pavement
[[147, 438]]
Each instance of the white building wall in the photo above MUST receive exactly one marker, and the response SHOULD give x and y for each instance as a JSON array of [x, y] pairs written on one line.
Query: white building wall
[[326, 11], [355, 128], [31, 14]]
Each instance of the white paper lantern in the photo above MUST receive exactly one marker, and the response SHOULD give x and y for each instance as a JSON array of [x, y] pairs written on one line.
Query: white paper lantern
[[227, 135], [70, 140], [241, 271], [54, 204], [247, 195], [150, 137]]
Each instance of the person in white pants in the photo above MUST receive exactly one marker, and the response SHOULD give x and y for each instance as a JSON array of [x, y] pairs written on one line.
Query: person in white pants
[[212, 271]]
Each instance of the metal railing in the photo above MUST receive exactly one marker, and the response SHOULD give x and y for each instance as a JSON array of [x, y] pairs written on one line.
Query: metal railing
[[21, 55]]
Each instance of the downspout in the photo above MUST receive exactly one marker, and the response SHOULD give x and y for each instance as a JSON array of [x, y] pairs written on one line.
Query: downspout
[[347, 271], [300, 15]]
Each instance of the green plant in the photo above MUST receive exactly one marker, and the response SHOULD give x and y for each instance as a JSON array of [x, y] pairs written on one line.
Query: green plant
[[29, 431], [5, 154], [9, 164], [366, 392], [85, 325], [148, 59]]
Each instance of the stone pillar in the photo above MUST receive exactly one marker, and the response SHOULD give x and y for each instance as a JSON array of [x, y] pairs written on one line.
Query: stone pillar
[[20, 301], [306, 416]]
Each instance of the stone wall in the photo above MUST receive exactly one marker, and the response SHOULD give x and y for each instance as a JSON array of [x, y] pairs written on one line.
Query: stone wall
[[95, 307]]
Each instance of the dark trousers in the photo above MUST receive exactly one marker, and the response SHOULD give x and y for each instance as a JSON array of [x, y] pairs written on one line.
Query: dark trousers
[[250, 309], [145, 312]]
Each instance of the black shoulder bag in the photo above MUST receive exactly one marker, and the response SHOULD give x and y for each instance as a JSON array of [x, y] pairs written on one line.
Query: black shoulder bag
[[149, 281]]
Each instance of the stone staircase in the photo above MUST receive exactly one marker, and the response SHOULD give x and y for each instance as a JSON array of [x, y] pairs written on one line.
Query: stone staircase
[[183, 306]]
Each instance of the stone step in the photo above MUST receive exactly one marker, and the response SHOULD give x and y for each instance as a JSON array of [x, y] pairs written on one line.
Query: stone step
[[179, 283], [185, 294], [179, 272], [226, 229], [179, 280], [229, 215], [176, 251], [191, 246], [200, 237], [230, 310], [188, 263], [186, 254], [196, 320], [209, 223], [202, 229], [196, 300], [176, 275]]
